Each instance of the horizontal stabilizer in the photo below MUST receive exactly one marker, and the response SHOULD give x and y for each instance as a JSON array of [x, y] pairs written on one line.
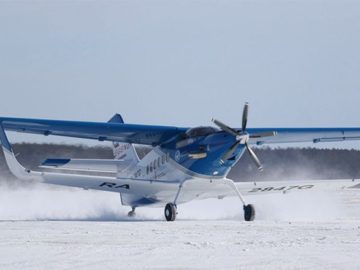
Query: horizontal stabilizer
[[94, 165]]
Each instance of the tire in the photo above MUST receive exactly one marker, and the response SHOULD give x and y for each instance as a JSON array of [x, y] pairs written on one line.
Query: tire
[[170, 212], [249, 212]]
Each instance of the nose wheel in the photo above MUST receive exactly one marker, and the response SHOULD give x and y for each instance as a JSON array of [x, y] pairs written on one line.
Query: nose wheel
[[170, 212], [249, 212], [132, 213]]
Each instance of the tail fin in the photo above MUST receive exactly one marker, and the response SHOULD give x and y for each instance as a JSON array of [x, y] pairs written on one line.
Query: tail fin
[[123, 151]]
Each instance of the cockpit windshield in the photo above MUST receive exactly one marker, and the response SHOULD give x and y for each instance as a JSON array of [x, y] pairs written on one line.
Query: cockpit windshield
[[200, 131]]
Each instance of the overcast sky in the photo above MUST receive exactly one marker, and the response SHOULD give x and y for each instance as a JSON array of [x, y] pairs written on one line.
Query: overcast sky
[[182, 62]]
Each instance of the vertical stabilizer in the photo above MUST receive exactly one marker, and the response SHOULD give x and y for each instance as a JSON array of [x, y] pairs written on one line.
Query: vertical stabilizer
[[124, 151]]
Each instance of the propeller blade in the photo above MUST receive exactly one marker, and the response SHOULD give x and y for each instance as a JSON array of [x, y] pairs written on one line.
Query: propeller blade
[[245, 116], [225, 128], [230, 152], [254, 157], [263, 134]]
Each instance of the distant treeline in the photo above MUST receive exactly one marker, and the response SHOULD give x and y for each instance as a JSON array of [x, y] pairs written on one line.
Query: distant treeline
[[279, 164], [299, 163]]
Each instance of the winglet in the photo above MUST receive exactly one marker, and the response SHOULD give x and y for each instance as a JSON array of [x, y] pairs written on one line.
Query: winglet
[[4, 140], [15, 167]]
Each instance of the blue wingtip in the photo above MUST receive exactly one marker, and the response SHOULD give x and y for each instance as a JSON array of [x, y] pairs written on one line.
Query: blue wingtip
[[4, 140]]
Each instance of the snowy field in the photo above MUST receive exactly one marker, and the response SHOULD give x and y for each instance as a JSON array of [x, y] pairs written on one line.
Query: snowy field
[[53, 228]]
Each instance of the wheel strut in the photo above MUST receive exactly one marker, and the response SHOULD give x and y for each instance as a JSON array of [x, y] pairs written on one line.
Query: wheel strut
[[132, 212], [249, 209]]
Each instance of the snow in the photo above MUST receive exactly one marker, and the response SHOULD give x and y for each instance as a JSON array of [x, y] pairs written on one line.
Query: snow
[[179, 245], [52, 228]]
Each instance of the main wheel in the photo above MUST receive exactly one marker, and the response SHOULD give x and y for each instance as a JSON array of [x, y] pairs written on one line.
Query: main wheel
[[249, 212], [170, 212]]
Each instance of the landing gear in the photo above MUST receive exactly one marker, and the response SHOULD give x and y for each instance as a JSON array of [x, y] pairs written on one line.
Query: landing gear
[[170, 212], [249, 209], [132, 212], [249, 212]]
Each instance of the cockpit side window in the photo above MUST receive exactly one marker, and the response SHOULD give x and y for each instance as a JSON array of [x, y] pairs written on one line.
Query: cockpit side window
[[200, 131]]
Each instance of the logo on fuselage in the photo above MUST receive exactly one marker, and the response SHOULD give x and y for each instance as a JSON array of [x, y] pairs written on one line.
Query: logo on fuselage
[[114, 185], [177, 156]]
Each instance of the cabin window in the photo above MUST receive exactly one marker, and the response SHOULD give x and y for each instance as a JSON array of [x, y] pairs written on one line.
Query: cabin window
[[200, 131]]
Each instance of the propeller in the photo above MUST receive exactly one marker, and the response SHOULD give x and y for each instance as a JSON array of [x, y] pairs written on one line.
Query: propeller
[[242, 138]]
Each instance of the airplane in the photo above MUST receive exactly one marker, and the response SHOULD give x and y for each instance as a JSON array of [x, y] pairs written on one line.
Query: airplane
[[184, 163]]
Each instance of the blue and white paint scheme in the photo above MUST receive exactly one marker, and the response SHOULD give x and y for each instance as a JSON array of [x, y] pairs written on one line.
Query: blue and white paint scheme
[[184, 163]]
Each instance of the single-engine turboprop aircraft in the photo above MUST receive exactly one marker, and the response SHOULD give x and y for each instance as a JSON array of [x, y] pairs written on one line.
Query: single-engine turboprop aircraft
[[184, 164]]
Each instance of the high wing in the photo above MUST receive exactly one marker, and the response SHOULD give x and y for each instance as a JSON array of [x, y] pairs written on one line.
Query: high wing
[[155, 135], [130, 133], [294, 135]]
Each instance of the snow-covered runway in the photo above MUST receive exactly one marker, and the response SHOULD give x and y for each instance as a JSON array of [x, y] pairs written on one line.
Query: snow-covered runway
[[179, 245], [45, 228]]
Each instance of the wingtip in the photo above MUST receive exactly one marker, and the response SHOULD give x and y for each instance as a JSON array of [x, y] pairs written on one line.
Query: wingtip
[[4, 140]]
